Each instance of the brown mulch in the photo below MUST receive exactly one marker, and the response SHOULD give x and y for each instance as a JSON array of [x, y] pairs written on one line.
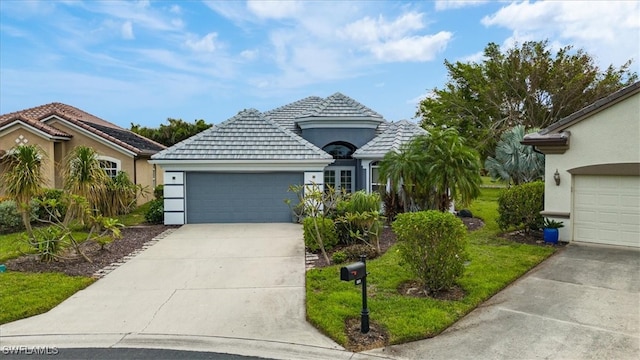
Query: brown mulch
[[133, 238], [357, 341], [532, 237]]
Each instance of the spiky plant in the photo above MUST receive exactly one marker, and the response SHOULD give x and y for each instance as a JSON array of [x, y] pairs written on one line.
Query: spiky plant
[[513, 162]]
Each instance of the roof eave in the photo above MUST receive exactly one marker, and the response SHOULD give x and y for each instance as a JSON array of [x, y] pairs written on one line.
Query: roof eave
[[557, 143]]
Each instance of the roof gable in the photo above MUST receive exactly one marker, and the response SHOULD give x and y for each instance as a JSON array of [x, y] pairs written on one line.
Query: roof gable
[[391, 139], [247, 136], [340, 106], [42, 127], [285, 115]]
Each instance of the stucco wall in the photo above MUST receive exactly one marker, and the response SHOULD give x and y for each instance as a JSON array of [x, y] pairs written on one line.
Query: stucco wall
[[323, 136], [610, 136], [144, 172], [8, 141]]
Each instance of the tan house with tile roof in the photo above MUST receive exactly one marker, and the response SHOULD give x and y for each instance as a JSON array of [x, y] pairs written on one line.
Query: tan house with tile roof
[[57, 128]]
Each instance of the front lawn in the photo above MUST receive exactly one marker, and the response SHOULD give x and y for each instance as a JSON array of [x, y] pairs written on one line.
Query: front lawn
[[494, 263]]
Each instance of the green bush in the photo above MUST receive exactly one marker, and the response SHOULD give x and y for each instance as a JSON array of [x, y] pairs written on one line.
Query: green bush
[[433, 244], [358, 218], [355, 251], [327, 232], [155, 214], [520, 206], [158, 192], [339, 257], [60, 208], [10, 219]]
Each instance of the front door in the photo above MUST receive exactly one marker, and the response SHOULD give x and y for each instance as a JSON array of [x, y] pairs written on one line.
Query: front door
[[340, 178]]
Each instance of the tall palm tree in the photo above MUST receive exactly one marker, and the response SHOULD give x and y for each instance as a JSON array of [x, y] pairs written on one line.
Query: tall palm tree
[[83, 176], [22, 178], [515, 163]]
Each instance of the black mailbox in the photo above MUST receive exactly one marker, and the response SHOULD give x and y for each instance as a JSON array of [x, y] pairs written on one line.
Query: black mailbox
[[353, 271]]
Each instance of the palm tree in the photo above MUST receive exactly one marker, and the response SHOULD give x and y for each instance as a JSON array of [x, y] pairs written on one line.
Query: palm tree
[[83, 176], [515, 163], [22, 178], [402, 169]]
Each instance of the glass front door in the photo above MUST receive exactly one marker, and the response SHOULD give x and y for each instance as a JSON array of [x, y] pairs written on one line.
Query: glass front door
[[340, 178]]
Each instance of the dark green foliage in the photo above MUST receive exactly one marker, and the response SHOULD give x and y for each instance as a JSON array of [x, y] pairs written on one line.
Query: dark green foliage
[[175, 131], [515, 163], [358, 218], [354, 252], [10, 219], [155, 214], [520, 206], [60, 208], [327, 231], [433, 245], [158, 192], [339, 257]]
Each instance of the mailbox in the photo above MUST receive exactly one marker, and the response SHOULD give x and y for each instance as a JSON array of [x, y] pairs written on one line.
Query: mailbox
[[353, 271]]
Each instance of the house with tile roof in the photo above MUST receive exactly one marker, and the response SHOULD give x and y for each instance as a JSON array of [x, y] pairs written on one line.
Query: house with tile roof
[[241, 169], [57, 128]]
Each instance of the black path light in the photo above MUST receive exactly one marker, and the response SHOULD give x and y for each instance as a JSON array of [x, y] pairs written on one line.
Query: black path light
[[358, 272]]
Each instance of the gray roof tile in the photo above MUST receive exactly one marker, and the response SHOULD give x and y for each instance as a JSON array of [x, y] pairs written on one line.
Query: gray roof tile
[[285, 115], [247, 136], [395, 135], [339, 105]]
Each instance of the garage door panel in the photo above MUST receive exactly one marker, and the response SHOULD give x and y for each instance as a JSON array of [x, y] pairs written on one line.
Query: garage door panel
[[239, 197], [607, 209]]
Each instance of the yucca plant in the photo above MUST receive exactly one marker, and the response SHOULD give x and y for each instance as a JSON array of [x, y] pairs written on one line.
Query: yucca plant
[[22, 178]]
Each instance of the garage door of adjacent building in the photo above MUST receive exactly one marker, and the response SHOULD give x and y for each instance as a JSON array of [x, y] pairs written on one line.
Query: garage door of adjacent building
[[239, 197], [607, 209]]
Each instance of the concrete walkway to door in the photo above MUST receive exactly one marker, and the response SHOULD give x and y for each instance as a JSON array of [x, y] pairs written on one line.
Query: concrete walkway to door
[[229, 288]]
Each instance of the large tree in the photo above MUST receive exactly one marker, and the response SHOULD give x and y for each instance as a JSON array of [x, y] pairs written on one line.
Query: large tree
[[527, 85], [172, 133]]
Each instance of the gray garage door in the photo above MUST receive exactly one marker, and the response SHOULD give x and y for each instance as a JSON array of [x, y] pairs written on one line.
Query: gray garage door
[[239, 197]]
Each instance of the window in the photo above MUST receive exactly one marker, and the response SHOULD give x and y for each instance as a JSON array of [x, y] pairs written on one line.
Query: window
[[110, 165], [340, 150], [375, 176], [339, 178]]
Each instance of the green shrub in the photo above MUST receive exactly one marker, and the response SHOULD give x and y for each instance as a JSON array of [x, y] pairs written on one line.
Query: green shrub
[[155, 214], [358, 218], [339, 257], [158, 192], [433, 245], [327, 232], [520, 206], [355, 251], [60, 208], [10, 219]]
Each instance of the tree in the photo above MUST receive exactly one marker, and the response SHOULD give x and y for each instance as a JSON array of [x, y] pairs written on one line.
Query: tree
[[433, 170], [525, 85], [515, 163], [22, 178], [83, 176], [175, 131]]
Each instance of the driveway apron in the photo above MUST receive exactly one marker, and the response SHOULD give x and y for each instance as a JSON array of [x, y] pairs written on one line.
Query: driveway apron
[[226, 281]]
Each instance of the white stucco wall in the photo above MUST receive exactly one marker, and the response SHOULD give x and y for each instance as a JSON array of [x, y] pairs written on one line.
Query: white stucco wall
[[609, 136]]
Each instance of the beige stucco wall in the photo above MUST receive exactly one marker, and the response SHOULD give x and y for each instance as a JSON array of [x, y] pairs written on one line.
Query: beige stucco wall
[[145, 177], [8, 141], [609, 136]]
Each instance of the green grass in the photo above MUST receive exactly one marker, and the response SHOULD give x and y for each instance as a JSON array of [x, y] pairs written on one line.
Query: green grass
[[494, 263], [27, 294], [487, 181], [135, 217]]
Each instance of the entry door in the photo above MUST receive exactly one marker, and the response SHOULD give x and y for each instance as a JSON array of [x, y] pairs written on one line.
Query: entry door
[[340, 178]]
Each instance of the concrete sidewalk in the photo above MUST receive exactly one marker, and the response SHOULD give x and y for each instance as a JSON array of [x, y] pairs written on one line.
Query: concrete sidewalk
[[582, 303], [236, 288]]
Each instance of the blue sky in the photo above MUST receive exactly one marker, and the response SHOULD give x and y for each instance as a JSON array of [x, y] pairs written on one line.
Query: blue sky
[[145, 61]]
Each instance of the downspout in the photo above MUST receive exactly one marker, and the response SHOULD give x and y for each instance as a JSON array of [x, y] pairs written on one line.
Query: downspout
[[135, 170]]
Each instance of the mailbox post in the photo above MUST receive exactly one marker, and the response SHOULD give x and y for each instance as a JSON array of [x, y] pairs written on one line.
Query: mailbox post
[[358, 273]]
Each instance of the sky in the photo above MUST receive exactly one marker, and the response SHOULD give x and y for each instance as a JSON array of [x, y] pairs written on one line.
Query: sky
[[142, 62]]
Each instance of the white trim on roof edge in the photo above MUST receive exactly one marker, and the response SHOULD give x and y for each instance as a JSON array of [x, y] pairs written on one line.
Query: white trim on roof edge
[[338, 123], [242, 166], [100, 139], [6, 129]]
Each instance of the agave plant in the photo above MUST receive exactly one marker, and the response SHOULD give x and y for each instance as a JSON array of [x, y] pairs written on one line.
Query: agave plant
[[22, 178]]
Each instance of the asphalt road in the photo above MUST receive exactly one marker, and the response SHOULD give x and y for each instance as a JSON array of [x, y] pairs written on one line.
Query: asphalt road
[[115, 354]]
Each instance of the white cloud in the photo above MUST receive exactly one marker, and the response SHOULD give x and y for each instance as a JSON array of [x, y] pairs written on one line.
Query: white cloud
[[415, 48], [608, 30], [249, 54], [274, 9], [127, 30], [457, 4], [206, 44]]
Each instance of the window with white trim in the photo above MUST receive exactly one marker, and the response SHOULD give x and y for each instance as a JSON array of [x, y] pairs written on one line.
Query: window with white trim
[[110, 165], [375, 176]]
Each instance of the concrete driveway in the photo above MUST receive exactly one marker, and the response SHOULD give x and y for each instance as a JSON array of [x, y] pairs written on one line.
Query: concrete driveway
[[236, 288], [582, 303]]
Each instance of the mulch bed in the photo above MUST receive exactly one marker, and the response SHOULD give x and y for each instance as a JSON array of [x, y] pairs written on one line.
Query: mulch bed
[[133, 238], [357, 341]]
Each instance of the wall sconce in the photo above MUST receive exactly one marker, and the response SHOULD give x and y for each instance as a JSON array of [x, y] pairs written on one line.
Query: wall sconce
[[556, 177]]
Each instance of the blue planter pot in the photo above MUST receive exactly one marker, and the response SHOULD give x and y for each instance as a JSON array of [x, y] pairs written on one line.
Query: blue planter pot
[[550, 235]]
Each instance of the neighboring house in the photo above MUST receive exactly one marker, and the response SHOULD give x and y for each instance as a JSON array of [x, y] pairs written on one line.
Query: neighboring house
[[58, 128], [240, 170], [594, 153]]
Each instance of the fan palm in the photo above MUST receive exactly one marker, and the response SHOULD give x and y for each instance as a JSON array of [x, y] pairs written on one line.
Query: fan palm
[[22, 178], [83, 176], [515, 163]]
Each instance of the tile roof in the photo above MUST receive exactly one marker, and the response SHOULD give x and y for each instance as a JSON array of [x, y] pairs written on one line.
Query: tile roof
[[50, 130], [285, 115], [395, 135], [250, 135], [109, 131], [339, 105]]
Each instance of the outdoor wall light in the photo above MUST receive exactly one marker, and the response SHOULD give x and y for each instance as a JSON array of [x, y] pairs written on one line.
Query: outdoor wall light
[[556, 177]]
